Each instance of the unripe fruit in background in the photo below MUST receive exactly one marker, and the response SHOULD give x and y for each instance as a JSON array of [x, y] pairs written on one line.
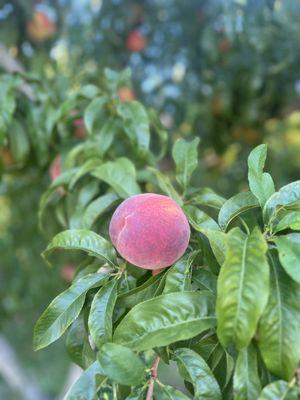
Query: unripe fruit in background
[[55, 168], [126, 94], [135, 41], [41, 27], [150, 231], [68, 272]]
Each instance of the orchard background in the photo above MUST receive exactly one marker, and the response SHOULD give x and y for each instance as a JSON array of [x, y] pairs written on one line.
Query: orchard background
[[104, 99]]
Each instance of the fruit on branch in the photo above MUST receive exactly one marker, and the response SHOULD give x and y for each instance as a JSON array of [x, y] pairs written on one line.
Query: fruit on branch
[[150, 231], [126, 94], [41, 27], [135, 41], [55, 168]]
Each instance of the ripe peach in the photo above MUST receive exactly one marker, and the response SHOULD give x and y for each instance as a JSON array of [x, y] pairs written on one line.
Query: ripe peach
[[150, 231], [68, 272], [41, 27], [135, 41], [126, 94], [55, 168]]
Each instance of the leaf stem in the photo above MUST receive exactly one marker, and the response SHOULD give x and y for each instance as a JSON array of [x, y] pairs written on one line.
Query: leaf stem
[[152, 378]]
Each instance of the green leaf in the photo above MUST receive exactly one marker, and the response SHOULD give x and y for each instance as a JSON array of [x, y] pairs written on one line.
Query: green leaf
[[235, 206], [120, 175], [63, 310], [199, 219], [178, 277], [75, 341], [288, 247], [278, 390], [201, 376], [217, 241], [246, 383], [207, 197], [205, 279], [165, 185], [279, 200], [83, 239], [185, 155], [141, 293], [135, 124], [121, 364], [18, 141], [288, 221], [107, 134], [85, 387], [165, 319], [101, 313], [243, 287], [98, 207], [279, 328], [261, 183], [84, 169], [93, 111], [165, 392], [137, 394]]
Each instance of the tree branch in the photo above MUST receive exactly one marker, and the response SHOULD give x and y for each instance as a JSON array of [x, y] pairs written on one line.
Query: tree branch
[[152, 378]]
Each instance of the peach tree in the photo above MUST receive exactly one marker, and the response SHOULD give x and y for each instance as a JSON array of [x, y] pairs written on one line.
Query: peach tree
[[223, 319]]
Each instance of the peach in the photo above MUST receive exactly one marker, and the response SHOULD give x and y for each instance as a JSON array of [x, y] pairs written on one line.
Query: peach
[[41, 27], [150, 231], [126, 94], [135, 41], [55, 168], [79, 128]]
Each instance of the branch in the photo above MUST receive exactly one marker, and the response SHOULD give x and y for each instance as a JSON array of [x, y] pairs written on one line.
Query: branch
[[152, 378], [11, 65]]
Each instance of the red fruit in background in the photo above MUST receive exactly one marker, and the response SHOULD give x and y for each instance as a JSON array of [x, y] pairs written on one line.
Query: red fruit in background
[[6, 157], [68, 272], [126, 94], [41, 27], [150, 231], [135, 41], [55, 168], [79, 131], [224, 45]]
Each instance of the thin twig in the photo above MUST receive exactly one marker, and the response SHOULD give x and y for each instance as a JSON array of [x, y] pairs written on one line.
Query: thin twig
[[152, 378]]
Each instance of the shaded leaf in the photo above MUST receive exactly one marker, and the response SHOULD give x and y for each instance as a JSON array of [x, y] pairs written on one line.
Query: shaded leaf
[[121, 364], [288, 247], [165, 392], [120, 175], [246, 383], [205, 279], [98, 207], [288, 221], [235, 206], [243, 287], [101, 313], [199, 219], [166, 319], [207, 197], [83, 239], [202, 378], [178, 277], [278, 390], [279, 200], [63, 310], [279, 328], [85, 387], [261, 183]]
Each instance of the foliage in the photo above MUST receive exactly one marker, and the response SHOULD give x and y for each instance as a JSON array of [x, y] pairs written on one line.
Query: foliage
[[227, 314]]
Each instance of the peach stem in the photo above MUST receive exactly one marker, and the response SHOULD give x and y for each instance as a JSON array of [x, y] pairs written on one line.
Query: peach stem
[[152, 378]]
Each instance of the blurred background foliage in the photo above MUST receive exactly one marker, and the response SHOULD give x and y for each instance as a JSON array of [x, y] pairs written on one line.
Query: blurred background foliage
[[226, 71]]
